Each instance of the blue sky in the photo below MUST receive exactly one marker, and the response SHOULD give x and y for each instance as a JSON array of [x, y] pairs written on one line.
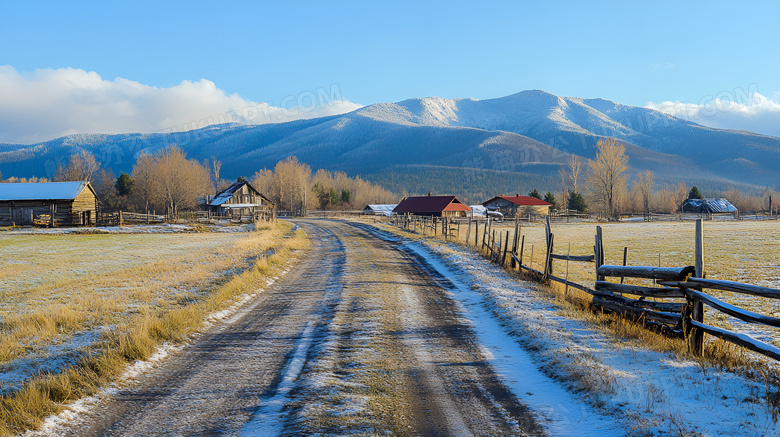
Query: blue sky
[[630, 52]]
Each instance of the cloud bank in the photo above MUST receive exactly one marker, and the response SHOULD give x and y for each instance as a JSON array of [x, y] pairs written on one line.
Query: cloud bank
[[737, 109], [50, 103]]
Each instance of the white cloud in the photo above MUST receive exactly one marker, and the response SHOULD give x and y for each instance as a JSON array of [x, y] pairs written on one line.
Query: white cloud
[[737, 109], [50, 103]]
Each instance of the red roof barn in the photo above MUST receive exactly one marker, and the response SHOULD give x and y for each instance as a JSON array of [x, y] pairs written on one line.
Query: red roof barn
[[517, 204], [437, 206]]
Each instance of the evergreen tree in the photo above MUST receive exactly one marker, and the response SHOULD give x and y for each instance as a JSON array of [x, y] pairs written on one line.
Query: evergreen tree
[[550, 198], [124, 185], [577, 202], [536, 194], [346, 195], [694, 193]]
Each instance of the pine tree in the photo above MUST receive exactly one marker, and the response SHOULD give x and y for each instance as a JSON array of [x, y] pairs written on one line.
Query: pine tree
[[536, 194], [124, 185], [577, 202], [550, 198], [694, 193]]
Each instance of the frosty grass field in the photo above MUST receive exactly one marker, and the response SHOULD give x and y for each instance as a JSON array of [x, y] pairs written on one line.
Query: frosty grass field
[[745, 251], [61, 292]]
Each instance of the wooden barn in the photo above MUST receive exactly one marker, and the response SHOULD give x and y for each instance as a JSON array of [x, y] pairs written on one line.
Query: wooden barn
[[511, 206], [48, 204], [434, 206], [240, 199]]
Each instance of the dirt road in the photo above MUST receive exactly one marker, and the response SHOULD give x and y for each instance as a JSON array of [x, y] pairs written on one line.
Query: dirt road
[[360, 338]]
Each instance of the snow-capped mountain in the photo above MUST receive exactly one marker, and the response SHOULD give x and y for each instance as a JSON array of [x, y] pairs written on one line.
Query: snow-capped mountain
[[525, 134]]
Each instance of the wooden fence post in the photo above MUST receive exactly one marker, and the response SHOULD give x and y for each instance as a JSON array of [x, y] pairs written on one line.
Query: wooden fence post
[[506, 246], [625, 259], [696, 336], [468, 232], [599, 253], [522, 249], [548, 262]]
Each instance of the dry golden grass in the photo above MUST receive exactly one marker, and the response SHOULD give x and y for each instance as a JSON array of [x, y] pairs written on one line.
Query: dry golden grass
[[176, 281]]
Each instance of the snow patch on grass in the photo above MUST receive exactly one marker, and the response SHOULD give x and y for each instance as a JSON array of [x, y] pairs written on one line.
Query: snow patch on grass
[[571, 374]]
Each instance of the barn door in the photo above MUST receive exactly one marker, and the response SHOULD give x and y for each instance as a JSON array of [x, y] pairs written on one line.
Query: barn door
[[22, 216]]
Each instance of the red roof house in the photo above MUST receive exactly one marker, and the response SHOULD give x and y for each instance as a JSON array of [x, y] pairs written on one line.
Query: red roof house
[[436, 206], [511, 206]]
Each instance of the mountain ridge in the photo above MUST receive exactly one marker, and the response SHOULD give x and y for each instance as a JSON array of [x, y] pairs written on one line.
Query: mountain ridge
[[530, 132]]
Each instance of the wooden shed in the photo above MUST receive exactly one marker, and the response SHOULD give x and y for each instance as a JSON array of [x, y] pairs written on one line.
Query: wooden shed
[[48, 204], [434, 206], [240, 199], [511, 206]]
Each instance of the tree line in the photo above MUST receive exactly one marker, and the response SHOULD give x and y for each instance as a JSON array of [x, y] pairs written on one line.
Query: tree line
[[606, 187], [167, 182], [293, 188]]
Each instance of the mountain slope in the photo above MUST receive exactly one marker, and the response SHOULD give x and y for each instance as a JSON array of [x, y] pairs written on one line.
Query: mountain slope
[[528, 133]]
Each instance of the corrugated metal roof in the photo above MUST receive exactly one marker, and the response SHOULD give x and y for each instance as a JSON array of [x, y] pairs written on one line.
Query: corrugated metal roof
[[386, 209], [430, 204], [479, 210], [710, 205], [42, 190], [521, 200]]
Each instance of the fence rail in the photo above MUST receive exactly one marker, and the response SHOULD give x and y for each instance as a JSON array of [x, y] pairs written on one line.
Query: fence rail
[[679, 306]]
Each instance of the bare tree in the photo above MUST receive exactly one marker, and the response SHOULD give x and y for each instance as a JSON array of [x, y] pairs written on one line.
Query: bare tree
[[81, 167], [169, 181], [644, 183], [679, 195], [575, 169], [143, 175], [605, 173], [565, 191], [216, 166]]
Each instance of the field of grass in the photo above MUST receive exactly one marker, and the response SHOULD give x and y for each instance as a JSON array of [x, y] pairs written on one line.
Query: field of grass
[[77, 307], [745, 251]]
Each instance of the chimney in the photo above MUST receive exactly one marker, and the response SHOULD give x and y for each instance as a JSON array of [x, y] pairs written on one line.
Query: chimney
[[429, 194], [517, 194]]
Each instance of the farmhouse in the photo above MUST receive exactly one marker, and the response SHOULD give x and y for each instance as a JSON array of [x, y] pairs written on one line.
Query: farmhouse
[[708, 206], [382, 209], [240, 199], [511, 206], [435, 206], [48, 204]]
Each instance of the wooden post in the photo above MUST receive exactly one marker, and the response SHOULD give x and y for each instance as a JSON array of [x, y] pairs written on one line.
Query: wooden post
[[121, 222], [696, 336], [531, 263], [625, 259], [506, 245], [599, 252], [568, 254], [548, 259], [522, 248], [492, 243], [468, 232], [476, 235]]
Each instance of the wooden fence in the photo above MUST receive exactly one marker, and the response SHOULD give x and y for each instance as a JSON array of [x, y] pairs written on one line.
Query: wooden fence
[[122, 218], [677, 308]]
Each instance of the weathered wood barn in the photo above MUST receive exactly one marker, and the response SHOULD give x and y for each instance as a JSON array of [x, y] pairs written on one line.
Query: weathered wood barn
[[511, 206], [48, 204], [240, 199], [434, 206]]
